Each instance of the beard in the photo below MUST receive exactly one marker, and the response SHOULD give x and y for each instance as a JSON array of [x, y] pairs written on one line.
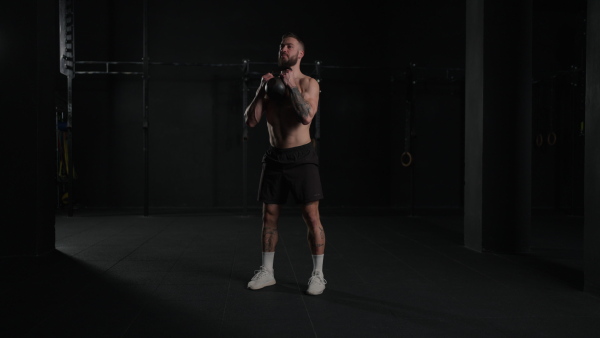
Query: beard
[[291, 61]]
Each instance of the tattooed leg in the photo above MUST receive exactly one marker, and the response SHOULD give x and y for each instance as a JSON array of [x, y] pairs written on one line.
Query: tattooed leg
[[269, 229], [316, 234], [269, 238], [316, 241]]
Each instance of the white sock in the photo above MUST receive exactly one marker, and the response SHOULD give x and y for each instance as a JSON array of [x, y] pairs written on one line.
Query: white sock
[[318, 263], [267, 260]]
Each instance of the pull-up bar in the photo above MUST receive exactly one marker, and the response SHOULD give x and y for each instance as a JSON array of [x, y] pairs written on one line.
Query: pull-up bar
[[107, 66]]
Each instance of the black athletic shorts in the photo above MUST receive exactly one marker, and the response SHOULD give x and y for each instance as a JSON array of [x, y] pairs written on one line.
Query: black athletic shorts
[[292, 170]]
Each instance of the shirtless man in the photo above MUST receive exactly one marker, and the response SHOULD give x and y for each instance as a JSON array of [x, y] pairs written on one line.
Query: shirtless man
[[290, 165]]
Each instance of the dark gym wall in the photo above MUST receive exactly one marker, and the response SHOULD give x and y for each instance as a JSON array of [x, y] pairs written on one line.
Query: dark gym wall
[[559, 40], [430, 36], [184, 171], [196, 112], [592, 163], [29, 68]]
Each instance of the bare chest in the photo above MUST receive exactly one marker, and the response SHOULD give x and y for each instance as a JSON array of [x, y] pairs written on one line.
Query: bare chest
[[281, 112]]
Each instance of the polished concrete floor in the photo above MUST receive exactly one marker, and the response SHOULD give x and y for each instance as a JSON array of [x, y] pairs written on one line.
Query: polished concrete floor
[[389, 275]]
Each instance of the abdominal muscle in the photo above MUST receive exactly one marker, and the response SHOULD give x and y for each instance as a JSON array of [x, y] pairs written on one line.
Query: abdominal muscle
[[285, 130]]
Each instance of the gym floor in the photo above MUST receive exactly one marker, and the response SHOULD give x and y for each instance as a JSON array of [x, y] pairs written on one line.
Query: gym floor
[[389, 275]]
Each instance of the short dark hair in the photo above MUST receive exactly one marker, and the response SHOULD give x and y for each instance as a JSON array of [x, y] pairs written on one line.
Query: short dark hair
[[292, 35]]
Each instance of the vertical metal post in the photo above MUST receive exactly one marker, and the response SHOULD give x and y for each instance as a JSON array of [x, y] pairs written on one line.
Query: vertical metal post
[[246, 69], [57, 141], [318, 114], [410, 107], [70, 143], [145, 110], [67, 67]]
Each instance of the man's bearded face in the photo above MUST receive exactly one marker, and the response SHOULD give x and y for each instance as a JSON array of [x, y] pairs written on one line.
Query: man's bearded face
[[287, 61]]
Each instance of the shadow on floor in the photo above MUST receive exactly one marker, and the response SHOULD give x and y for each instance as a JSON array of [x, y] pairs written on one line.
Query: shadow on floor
[[58, 295]]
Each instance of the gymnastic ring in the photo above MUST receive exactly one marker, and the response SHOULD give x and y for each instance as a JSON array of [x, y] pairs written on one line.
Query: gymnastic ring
[[405, 155], [552, 138], [539, 140]]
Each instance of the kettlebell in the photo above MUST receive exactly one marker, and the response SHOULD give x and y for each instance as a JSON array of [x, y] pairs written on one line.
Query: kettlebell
[[276, 88]]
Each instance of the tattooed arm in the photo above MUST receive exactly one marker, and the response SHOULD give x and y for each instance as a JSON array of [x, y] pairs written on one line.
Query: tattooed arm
[[304, 96], [301, 107]]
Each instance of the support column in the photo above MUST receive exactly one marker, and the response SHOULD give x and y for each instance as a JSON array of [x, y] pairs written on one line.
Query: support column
[[592, 151], [497, 209], [30, 68]]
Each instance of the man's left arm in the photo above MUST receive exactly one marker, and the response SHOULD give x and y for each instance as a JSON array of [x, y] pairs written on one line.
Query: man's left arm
[[305, 103]]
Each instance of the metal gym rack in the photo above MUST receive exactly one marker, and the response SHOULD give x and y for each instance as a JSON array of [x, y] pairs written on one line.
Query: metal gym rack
[[69, 67]]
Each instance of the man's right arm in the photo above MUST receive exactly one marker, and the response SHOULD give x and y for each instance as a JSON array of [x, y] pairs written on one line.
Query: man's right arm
[[254, 111]]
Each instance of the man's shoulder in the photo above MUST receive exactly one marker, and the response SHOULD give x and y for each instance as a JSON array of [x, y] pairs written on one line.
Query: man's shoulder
[[308, 81]]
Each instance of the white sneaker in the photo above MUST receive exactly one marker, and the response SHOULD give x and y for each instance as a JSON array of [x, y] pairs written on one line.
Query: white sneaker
[[316, 284], [262, 278]]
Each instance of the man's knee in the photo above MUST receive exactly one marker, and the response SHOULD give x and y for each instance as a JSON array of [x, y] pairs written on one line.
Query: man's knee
[[311, 216], [270, 214], [312, 221]]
